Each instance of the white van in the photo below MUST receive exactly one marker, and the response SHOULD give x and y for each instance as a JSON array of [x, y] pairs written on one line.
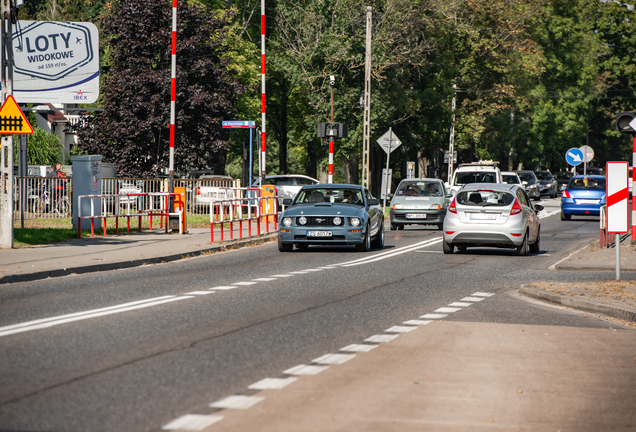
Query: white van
[[475, 172]]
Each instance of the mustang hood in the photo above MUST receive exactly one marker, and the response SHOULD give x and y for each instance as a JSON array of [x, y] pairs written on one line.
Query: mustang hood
[[324, 209]]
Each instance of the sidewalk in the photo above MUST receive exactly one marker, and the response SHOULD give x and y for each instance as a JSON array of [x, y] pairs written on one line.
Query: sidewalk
[[610, 297], [113, 252], [85, 255]]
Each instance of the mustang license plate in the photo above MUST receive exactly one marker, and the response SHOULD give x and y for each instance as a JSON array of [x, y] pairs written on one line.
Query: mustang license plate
[[416, 215], [319, 234]]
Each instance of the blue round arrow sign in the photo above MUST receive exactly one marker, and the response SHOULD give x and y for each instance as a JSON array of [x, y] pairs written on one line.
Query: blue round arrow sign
[[574, 156]]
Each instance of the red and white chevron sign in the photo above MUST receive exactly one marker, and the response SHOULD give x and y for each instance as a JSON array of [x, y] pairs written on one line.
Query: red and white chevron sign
[[617, 197]]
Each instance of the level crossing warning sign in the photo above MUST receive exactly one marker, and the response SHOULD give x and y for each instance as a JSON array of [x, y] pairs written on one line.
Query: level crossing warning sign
[[12, 119]]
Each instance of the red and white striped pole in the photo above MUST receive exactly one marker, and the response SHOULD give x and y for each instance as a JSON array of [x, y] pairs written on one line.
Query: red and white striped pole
[[633, 192], [330, 173], [173, 85], [263, 141]]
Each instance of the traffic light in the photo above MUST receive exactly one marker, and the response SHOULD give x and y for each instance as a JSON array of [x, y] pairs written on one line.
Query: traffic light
[[623, 120], [333, 130]]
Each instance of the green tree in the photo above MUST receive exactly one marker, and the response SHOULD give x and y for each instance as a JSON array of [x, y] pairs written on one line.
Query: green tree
[[133, 130], [43, 148]]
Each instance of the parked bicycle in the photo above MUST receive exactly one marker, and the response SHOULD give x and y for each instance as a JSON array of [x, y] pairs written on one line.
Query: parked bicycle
[[61, 206]]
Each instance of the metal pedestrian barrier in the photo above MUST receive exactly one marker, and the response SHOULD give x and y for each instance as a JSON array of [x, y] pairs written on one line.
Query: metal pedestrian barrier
[[132, 209], [247, 206]]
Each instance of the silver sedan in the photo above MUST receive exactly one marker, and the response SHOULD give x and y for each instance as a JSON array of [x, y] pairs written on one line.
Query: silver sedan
[[498, 215]]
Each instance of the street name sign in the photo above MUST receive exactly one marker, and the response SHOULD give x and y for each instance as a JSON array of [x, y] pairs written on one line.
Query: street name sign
[[574, 156], [237, 124]]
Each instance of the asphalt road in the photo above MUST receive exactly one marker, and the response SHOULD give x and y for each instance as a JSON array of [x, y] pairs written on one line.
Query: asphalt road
[[131, 350]]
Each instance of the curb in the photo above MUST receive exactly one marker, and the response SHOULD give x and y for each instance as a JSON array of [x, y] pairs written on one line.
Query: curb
[[27, 277], [626, 313]]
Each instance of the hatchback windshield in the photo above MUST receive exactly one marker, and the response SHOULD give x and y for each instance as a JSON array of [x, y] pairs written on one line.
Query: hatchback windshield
[[526, 177], [332, 195], [484, 198], [463, 178], [419, 188], [510, 179], [587, 183], [543, 175]]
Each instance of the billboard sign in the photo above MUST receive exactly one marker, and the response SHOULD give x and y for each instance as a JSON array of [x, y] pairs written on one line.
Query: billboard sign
[[55, 62]]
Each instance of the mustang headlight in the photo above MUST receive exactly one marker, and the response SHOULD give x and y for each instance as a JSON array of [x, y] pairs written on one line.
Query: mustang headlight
[[355, 222], [287, 221], [337, 221], [549, 185], [398, 206], [302, 220]]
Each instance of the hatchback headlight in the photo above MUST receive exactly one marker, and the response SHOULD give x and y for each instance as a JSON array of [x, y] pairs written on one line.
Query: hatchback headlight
[[287, 221], [337, 221], [302, 220], [355, 222], [398, 206]]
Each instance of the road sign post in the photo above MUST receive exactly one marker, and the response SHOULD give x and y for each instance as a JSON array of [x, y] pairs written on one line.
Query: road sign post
[[588, 155], [388, 142], [617, 194], [241, 124]]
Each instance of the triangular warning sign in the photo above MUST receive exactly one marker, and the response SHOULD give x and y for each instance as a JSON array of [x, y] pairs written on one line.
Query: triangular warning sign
[[12, 119]]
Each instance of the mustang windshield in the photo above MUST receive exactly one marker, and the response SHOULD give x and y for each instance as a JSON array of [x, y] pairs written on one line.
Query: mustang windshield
[[330, 195]]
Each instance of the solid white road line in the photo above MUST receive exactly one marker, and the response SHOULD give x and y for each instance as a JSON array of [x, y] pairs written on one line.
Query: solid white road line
[[392, 253], [79, 316]]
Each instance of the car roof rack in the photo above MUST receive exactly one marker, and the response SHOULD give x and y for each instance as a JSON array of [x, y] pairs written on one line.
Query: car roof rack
[[481, 163]]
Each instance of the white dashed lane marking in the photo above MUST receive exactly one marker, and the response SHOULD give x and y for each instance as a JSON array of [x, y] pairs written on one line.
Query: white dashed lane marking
[[381, 338], [358, 348], [417, 322], [272, 383], [200, 293], [192, 422], [305, 370], [223, 288], [244, 283], [281, 276], [237, 402], [333, 358], [400, 329], [264, 279], [434, 316]]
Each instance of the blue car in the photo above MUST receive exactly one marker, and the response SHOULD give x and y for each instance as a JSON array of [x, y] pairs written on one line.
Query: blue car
[[332, 214], [584, 196]]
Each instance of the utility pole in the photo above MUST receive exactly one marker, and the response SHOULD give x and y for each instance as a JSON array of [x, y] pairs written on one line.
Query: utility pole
[[332, 83], [366, 125], [451, 145], [6, 148]]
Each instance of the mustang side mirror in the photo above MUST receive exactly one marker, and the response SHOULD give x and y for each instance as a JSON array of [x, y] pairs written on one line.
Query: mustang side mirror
[[287, 201], [374, 201]]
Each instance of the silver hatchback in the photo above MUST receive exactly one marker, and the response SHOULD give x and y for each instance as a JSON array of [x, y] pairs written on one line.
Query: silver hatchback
[[498, 215]]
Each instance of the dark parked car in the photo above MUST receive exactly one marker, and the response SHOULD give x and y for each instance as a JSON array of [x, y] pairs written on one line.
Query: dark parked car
[[547, 183], [530, 184], [563, 178], [332, 214]]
